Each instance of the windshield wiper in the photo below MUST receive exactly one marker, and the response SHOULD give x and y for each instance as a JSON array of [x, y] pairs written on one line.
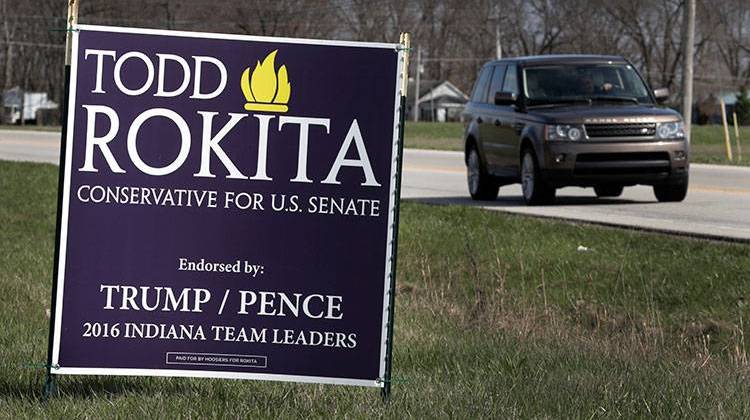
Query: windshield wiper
[[614, 98]]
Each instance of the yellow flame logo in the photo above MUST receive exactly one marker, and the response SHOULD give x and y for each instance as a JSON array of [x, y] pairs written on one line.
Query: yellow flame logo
[[266, 90]]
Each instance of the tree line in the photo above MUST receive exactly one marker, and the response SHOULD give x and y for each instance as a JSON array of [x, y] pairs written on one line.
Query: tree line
[[455, 36]]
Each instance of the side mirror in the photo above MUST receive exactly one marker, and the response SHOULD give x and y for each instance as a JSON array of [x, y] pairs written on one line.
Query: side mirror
[[505, 98], [661, 94]]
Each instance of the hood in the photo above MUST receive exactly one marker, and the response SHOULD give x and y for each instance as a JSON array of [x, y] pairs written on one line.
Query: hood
[[605, 114]]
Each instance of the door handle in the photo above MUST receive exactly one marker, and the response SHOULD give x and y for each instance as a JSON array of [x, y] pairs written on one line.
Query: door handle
[[479, 120], [498, 123]]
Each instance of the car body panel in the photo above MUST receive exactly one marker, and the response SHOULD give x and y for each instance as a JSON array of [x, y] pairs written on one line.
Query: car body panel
[[594, 160]]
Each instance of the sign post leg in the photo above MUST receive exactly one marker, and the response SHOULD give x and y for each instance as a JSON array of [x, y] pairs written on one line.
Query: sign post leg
[[386, 391], [50, 386]]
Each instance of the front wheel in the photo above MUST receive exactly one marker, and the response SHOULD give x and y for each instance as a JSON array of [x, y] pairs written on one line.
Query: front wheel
[[671, 192], [535, 190], [481, 185]]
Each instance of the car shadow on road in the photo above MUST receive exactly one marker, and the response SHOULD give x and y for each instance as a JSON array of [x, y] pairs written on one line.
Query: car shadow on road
[[517, 201]]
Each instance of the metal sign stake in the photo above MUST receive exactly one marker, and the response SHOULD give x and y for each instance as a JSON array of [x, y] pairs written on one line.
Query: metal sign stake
[[50, 387], [405, 45]]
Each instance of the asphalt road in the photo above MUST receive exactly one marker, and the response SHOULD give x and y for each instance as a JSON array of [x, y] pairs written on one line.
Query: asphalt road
[[28, 145], [717, 206]]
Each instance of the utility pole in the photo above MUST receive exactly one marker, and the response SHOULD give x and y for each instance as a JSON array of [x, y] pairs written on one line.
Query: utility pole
[[688, 41], [416, 83], [498, 45]]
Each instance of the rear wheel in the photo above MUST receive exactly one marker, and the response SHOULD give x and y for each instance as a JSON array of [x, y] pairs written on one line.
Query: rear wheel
[[608, 190], [535, 190], [671, 192], [481, 185]]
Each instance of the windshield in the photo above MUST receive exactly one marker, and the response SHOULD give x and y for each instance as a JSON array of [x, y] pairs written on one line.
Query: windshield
[[584, 83]]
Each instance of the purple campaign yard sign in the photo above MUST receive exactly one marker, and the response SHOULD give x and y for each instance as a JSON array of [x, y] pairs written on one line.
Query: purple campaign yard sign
[[228, 207]]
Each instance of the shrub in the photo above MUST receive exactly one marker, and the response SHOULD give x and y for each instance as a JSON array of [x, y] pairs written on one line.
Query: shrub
[[742, 107]]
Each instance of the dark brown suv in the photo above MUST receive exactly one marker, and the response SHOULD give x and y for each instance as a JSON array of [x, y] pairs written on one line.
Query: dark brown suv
[[571, 120]]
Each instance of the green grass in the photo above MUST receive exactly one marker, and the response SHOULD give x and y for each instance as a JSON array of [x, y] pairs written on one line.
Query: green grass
[[707, 142], [498, 316], [708, 146], [438, 136]]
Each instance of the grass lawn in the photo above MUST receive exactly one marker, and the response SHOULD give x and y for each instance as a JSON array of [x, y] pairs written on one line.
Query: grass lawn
[[707, 144], [498, 316], [438, 136]]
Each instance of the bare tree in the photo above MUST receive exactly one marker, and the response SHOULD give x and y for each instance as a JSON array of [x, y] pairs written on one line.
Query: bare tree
[[456, 36], [653, 28], [733, 38]]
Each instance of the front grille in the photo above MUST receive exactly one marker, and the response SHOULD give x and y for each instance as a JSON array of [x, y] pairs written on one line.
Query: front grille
[[634, 163], [629, 156], [621, 130]]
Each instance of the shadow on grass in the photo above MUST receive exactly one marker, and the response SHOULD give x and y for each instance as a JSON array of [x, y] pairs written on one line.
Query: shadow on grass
[[86, 387], [517, 201]]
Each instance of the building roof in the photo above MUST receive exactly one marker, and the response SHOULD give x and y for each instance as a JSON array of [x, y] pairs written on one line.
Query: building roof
[[445, 89], [434, 89], [424, 86]]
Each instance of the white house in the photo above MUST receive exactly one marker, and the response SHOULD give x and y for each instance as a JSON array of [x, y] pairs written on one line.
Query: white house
[[439, 101]]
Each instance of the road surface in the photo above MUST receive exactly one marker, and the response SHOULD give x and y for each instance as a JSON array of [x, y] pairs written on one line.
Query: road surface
[[29, 145], [717, 206]]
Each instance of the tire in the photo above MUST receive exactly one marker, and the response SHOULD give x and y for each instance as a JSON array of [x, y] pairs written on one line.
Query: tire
[[481, 185], [670, 193], [535, 190], [608, 190]]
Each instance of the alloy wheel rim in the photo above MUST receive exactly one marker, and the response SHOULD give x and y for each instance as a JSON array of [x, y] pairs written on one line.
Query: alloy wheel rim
[[527, 176], [473, 172]]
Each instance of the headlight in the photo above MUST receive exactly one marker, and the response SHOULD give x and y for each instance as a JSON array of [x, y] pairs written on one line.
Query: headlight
[[564, 132], [670, 130]]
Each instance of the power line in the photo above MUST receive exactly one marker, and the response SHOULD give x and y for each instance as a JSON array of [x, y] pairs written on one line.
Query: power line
[[32, 44], [700, 77]]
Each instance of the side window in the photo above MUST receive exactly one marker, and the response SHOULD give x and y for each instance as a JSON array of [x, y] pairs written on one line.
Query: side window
[[511, 80], [497, 82], [480, 89]]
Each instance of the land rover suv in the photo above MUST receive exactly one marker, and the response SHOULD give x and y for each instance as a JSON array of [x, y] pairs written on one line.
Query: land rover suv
[[571, 120]]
